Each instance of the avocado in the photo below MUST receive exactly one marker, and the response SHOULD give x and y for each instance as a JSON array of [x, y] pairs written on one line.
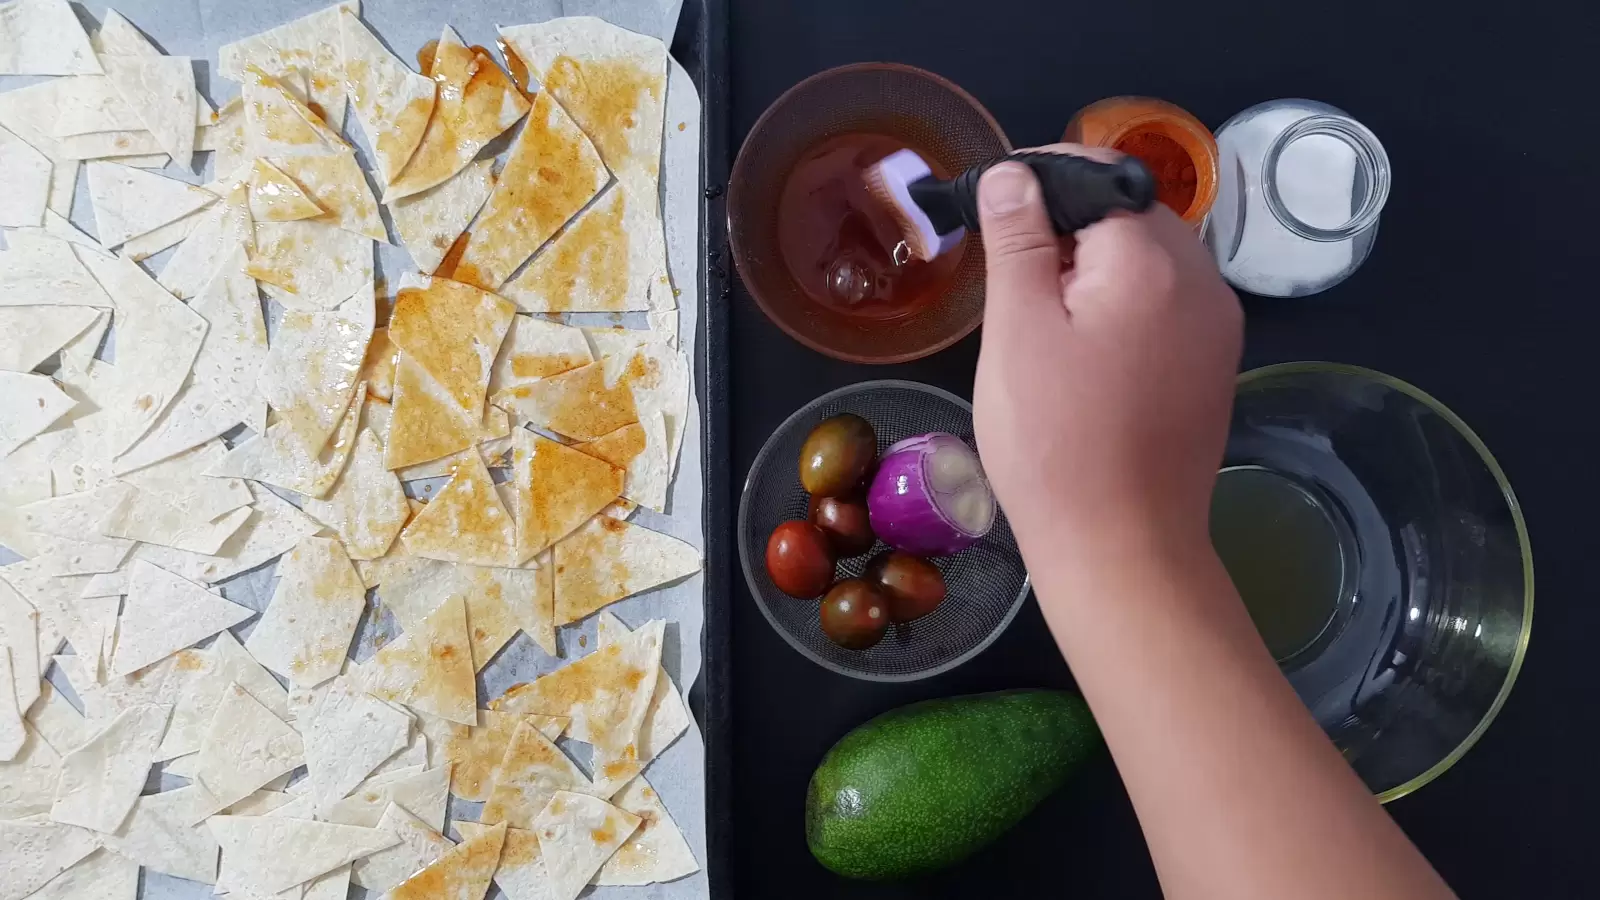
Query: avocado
[[922, 787]]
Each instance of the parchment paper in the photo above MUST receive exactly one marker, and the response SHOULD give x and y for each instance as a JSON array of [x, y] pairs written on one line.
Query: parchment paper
[[198, 29]]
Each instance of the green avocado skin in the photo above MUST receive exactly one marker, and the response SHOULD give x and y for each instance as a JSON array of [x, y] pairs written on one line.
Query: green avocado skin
[[923, 787]]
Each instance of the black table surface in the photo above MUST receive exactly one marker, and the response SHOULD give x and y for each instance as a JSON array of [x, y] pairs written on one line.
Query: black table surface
[[1479, 291]]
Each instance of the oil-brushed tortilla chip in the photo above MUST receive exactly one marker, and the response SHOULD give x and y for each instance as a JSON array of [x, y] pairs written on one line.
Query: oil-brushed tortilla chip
[[309, 375], [607, 560], [24, 182], [161, 92], [521, 874], [227, 663], [28, 405], [558, 489], [655, 853], [31, 334], [245, 747], [308, 44], [577, 834], [367, 505], [423, 794], [157, 835], [552, 173], [659, 377], [164, 614], [101, 780], [535, 349], [429, 222], [43, 270], [465, 522], [377, 370], [593, 266], [477, 752], [426, 424], [44, 37], [668, 716], [305, 633], [271, 531], [499, 601], [219, 230], [268, 854], [310, 265], [429, 668], [279, 458], [129, 202], [393, 103], [462, 873], [477, 103], [641, 449], [34, 851], [274, 197], [419, 845], [335, 181], [578, 404], [279, 124], [454, 332], [348, 734], [531, 772]]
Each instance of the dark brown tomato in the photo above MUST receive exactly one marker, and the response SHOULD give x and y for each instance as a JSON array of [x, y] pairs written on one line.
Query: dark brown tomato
[[837, 455], [855, 614], [845, 522], [913, 586], [799, 559]]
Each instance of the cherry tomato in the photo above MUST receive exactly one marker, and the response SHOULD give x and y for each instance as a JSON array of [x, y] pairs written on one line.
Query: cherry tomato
[[837, 455], [845, 522], [854, 614], [799, 559], [913, 586]]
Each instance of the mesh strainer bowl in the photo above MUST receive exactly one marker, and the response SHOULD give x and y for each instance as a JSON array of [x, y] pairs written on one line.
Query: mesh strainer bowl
[[985, 584]]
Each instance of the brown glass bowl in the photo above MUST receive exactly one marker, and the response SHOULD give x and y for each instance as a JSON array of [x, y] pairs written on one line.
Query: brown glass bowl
[[927, 112]]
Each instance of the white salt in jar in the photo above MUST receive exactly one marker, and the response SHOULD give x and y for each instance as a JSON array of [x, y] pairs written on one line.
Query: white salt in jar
[[1300, 191]]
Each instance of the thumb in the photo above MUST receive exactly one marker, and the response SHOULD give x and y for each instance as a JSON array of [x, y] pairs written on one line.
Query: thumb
[[1024, 254]]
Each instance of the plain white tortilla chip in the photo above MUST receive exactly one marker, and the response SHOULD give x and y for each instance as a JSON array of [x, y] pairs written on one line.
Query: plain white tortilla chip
[[274, 528], [226, 663], [28, 405], [348, 734], [419, 846], [161, 92], [31, 334], [423, 794], [209, 248], [129, 202], [12, 732], [245, 747], [179, 481], [43, 270], [366, 506], [33, 852], [24, 183], [477, 103], [159, 837], [310, 265], [337, 185], [164, 614], [306, 631], [465, 522], [141, 516], [57, 722], [44, 37], [274, 197], [607, 560], [392, 102], [280, 458], [593, 266], [557, 489], [430, 221], [577, 834], [101, 780], [657, 852], [532, 771], [28, 782], [277, 123], [152, 242], [309, 376], [641, 449], [429, 668], [268, 854], [309, 44], [668, 716], [19, 634], [102, 875], [88, 104], [462, 873], [476, 752], [535, 349]]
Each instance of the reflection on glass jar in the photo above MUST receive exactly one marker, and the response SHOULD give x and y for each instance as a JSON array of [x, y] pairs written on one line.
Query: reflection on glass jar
[[1301, 188]]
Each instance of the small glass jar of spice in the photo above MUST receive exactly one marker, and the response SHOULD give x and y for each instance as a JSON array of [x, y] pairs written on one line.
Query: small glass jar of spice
[[1178, 149]]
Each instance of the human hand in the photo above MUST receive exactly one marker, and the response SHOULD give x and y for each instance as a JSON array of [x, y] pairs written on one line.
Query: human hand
[[1106, 375]]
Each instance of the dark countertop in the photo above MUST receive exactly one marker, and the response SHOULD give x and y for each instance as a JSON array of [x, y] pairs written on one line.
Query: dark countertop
[[1478, 291]]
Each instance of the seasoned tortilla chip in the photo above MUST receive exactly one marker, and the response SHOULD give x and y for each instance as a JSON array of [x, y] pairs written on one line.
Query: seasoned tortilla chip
[[454, 332], [462, 873], [306, 631], [44, 37], [641, 449], [161, 92], [309, 375], [24, 182], [577, 834], [465, 522], [430, 222], [655, 853], [521, 875], [129, 202], [668, 716], [336, 183], [308, 44], [419, 846], [274, 197], [607, 560], [377, 370], [101, 780], [578, 404], [310, 265], [558, 489], [532, 771], [476, 752], [278, 124], [226, 663], [499, 601], [393, 103], [427, 424], [535, 349], [279, 458], [429, 668], [593, 266]]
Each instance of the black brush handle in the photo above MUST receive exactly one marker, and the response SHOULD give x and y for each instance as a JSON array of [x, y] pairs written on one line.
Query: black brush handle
[[1078, 191]]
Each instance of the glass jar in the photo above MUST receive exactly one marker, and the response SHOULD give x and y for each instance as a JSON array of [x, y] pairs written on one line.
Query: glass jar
[[1301, 190], [1175, 145]]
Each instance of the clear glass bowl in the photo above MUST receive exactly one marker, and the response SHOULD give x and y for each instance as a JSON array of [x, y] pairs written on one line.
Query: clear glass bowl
[[1434, 624]]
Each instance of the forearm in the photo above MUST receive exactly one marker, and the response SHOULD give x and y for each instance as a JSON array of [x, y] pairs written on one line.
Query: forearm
[[1238, 791]]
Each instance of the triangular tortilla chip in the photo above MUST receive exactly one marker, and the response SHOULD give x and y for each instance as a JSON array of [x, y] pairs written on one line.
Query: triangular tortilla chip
[[73, 521], [578, 404], [209, 248], [129, 202], [28, 405], [577, 834], [349, 734], [119, 37], [164, 614], [268, 854], [274, 528], [308, 44], [477, 752], [532, 771], [309, 375], [454, 332], [477, 103], [43, 270], [57, 722], [641, 449], [558, 489], [141, 516], [607, 560], [179, 481], [24, 183], [337, 184], [57, 226], [156, 240], [668, 716], [423, 794], [465, 522], [429, 668], [278, 124], [274, 197], [158, 836], [279, 457], [535, 349], [392, 102], [19, 633], [313, 266], [593, 266], [427, 424], [366, 506], [497, 600], [44, 37], [245, 747], [89, 104], [101, 780], [463, 873], [552, 173], [161, 92], [227, 663], [430, 222], [378, 368], [659, 377], [32, 852], [334, 885], [521, 875], [306, 631], [419, 846], [102, 875], [655, 853], [137, 149], [13, 734]]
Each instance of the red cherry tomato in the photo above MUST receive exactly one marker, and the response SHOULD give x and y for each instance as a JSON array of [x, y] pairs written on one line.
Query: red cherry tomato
[[799, 559]]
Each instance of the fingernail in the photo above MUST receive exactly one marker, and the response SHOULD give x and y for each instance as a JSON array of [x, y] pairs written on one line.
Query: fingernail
[[1007, 188]]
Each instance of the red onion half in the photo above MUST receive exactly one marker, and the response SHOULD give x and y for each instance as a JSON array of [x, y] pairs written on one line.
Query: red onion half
[[930, 497]]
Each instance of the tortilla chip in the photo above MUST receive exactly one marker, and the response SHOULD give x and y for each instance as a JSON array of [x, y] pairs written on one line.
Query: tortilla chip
[[429, 668], [164, 614], [337, 184], [161, 92], [393, 103], [532, 771], [24, 182], [453, 331], [73, 520], [57, 722], [31, 334], [377, 370], [477, 103], [497, 601], [44, 37], [577, 834], [535, 349], [427, 424], [348, 734], [207, 250], [314, 266], [423, 794], [101, 780], [87, 104], [274, 528], [309, 375], [274, 197], [278, 124], [19, 633], [592, 266], [462, 873], [152, 242], [642, 450], [657, 852], [245, 747], [366, 506], [268, 854], [607, 560], [521, 874], [668, 716], [659, 377], [308, 44], [225, 664], [477, 752], [552, 173], [141, 516], [430, 222], [157, 836], [43, 270], [129, 202], [334, 885], [260, 803], [306, 631], [33, 852], [279, 458], [465, 522], [29, 779], [12, 732], [419, 846], [138, 149], [578, 404], [558, 489]]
